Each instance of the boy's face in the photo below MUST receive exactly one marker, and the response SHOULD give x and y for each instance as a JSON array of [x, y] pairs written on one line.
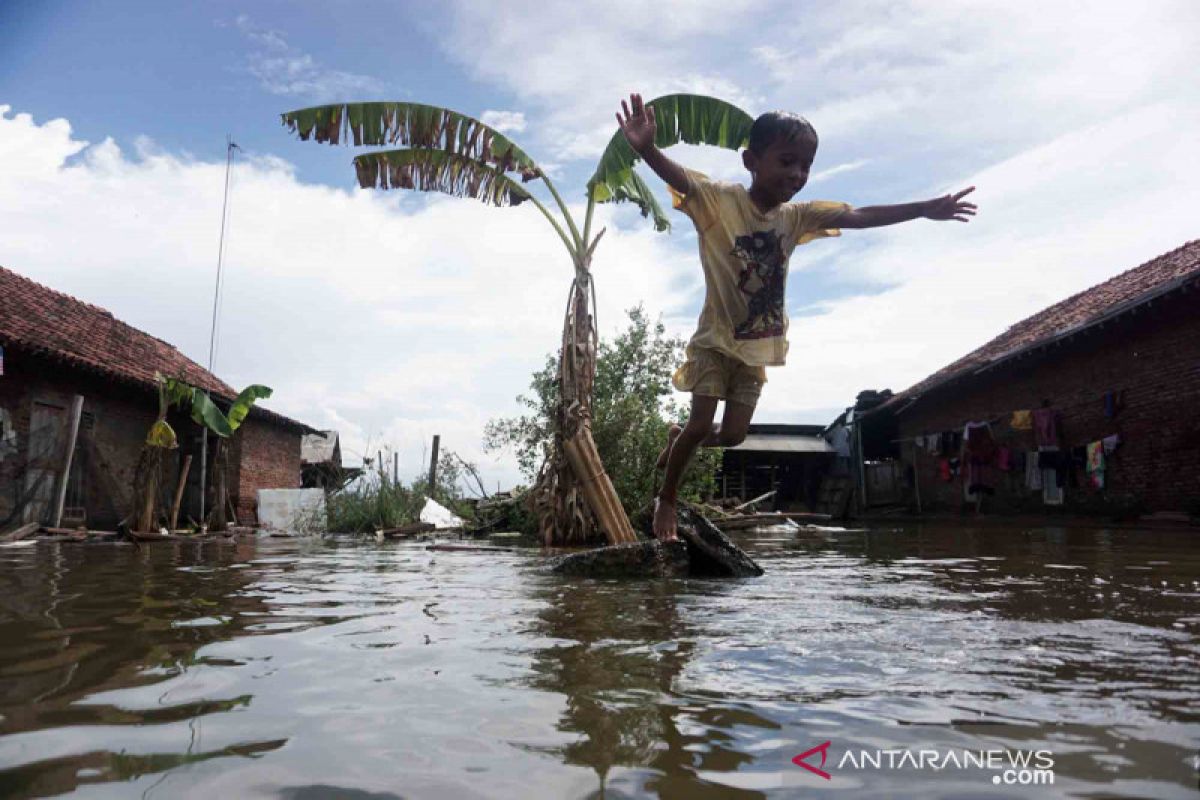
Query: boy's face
[[781, 170]]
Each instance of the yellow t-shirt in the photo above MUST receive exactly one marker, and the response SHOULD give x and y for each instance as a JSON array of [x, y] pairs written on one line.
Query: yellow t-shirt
[[745, 255]]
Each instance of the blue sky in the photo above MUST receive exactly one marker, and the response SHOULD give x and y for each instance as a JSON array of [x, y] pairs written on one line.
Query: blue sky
[[395, 316]]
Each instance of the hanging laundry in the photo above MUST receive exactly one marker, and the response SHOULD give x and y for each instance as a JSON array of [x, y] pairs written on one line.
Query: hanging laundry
[[1110, 404], [1003, 459], [980, 452], [1018, 461], [980, 445], [1095, 465], [1033, 472], [1045, 427], [944, 470], [1111, 443], [1077, 466], [1053, 467], [1021, 421]]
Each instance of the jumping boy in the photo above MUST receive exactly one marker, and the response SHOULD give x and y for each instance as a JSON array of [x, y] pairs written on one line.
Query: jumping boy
[[746, 237]]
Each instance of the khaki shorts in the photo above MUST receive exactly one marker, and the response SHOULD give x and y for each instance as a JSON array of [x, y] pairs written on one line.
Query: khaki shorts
[[715, 374]]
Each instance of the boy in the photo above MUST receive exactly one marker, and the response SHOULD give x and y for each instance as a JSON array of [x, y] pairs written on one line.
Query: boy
[[746, 238]]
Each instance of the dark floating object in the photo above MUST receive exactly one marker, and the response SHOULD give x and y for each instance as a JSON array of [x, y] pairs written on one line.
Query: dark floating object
[[634, 560], [711, 552], [701, 551]]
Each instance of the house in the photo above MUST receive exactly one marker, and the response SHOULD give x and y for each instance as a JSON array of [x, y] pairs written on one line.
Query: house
[[1111, 374], [786, 459], [56, 348], [321, 462]]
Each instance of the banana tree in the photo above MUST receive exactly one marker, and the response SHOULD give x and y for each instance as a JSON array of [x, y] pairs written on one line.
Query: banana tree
[[161, 437], [443, 150]]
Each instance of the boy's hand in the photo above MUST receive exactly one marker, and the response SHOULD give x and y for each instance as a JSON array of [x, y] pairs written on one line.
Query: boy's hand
[[638, 126], [951, 207]]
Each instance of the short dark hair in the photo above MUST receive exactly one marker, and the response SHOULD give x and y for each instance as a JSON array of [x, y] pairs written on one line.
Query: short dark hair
[[775, 125]]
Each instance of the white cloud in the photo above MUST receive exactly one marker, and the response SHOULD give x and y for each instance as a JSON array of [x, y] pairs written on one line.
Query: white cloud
[[850, 166], [504, 121], [282, 69], [390, 317], [1053, 221]]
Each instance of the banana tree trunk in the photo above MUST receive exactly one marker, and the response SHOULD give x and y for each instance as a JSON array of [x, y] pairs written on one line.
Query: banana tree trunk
[[217, 518], [148, 475], [574, 499]]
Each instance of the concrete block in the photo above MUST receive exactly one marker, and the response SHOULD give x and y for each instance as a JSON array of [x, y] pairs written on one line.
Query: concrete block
[[296, 511]]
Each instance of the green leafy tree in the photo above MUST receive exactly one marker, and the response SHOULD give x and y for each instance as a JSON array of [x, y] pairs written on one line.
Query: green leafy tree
[[632, 411], [446, 151]]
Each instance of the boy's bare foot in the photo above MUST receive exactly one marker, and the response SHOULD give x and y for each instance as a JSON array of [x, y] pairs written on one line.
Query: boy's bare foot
[[672, 435], [664, 520]]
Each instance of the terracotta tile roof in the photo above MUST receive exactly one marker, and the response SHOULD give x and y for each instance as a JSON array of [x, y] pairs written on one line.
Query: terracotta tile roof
[[1125, 291], [40, 320]]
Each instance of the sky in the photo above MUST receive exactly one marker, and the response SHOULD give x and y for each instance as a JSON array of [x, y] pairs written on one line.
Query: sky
[[394, 316]]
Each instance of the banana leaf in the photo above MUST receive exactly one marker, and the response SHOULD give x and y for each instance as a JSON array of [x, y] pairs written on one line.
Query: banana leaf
[[689, 118], [206, 413], [243, 402], [411, 125], [438, 171]]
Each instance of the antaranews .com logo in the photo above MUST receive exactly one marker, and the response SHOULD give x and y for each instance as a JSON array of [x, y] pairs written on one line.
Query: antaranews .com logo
[[1007, 767]]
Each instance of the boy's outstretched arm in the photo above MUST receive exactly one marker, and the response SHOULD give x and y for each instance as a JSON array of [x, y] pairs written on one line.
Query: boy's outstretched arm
[[946, 207], [639, 128]]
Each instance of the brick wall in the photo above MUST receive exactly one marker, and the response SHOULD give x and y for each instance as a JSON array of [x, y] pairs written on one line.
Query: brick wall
[[121, 415], [267, 456], [1152, 356]]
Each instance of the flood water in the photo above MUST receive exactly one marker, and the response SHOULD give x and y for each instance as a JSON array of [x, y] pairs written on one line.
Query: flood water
[[338, 668]]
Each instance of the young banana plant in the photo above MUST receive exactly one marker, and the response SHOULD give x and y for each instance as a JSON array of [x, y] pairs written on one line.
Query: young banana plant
[[437, 149]]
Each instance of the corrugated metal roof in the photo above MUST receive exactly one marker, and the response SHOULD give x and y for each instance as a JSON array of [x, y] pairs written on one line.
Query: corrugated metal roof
[[765, 443]]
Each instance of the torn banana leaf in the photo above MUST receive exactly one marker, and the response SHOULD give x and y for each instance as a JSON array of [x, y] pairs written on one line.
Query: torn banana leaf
[[688, 118], [412, 125], [438, 171]]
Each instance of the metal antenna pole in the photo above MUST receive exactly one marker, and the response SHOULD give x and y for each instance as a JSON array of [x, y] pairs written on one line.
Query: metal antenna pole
[[212, 336]]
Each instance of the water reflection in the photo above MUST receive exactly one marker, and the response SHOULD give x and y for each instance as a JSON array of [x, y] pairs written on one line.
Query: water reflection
[[80, 622], [319, 669]]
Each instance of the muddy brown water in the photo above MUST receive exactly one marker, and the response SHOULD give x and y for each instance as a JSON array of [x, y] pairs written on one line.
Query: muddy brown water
[[311, 669]]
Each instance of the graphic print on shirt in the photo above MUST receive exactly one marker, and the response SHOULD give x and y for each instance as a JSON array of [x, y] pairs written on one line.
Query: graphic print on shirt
[[763, 280]]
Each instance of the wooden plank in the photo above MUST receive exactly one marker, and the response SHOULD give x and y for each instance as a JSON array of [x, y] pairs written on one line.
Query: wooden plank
[[404, 531], [20, 532], [183, 476], [68, 457]]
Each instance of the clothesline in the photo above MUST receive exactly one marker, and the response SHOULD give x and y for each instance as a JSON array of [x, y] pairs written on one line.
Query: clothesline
[[925, 435], [1119, 395]]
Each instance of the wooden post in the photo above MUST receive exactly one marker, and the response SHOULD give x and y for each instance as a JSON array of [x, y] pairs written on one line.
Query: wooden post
[[65, 477], [183, 476], [916, 478], [396, 469], [433, 459]]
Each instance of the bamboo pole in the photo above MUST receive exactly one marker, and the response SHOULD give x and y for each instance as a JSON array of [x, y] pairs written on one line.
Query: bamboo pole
[[597, 488], [68, 456], [183, 476]]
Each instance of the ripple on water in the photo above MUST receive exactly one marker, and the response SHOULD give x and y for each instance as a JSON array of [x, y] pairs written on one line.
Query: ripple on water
[[283, 667]]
